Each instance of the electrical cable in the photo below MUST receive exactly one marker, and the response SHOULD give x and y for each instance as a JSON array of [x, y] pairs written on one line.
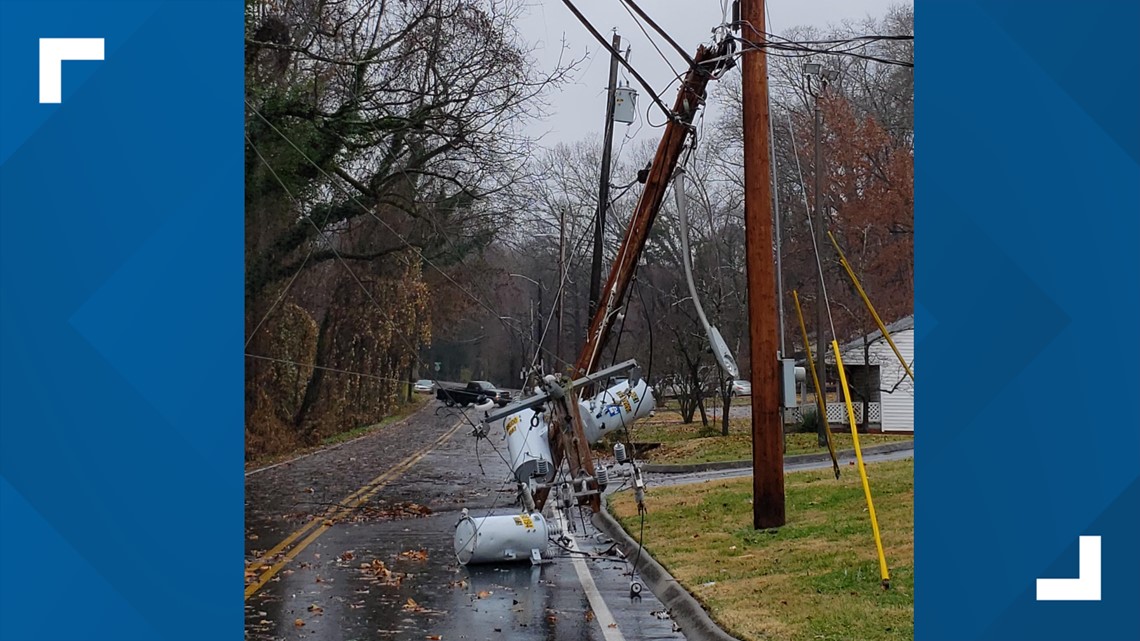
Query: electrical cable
[[652, 42], [658, 29], [597, 36], [811, 227], [383, 222]]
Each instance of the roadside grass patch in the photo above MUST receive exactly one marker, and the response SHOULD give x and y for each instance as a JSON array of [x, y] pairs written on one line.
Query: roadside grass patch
[[684, 446], [815, 578], [402, 412]]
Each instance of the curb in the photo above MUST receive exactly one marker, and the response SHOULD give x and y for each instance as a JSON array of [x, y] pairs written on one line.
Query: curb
[[690, 468], [683, 607]]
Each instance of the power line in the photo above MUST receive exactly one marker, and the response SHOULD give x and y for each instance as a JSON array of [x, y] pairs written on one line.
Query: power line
[[609, 48], [650, 39], [283, 361], [803, 49], [658, 29], [383, 222]]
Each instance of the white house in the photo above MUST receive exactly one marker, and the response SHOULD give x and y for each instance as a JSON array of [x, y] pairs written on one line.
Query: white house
[[879, 380]]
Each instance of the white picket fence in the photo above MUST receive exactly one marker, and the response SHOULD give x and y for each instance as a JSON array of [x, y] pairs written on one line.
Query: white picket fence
[[836, 412]]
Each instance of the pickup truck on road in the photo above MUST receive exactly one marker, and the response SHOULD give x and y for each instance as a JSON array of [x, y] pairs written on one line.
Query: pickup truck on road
[[474, 393]]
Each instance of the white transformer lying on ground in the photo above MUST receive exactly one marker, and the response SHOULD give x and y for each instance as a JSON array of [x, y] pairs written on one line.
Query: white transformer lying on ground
[[503, 537]]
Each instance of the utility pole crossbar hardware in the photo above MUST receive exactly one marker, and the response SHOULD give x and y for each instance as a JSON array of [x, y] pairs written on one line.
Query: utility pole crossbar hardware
[[542, 397]]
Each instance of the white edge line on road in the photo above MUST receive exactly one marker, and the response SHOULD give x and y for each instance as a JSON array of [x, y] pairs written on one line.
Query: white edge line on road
[[602, 612]]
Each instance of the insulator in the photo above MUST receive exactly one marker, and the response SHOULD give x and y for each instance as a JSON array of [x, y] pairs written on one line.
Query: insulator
[[542, 468], [602, 476], [619, 453]]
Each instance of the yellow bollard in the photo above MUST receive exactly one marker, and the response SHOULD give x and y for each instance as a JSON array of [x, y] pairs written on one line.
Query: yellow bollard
[[862, 468], [820, 401], [870, 307]]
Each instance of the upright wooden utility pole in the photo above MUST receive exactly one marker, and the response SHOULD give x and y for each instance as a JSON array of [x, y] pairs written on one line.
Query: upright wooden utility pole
[[604, 182], [767, 431]]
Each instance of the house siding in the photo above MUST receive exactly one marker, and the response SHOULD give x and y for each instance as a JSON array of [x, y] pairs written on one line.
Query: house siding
[[897, 406]]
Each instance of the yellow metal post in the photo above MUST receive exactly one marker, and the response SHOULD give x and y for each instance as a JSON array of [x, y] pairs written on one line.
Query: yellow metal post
[[821, 400], [870, 307], [862, 469]]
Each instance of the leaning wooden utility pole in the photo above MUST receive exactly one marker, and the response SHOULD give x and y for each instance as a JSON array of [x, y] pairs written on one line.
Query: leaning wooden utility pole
[[767, 431], [568, 439], [604, 182]]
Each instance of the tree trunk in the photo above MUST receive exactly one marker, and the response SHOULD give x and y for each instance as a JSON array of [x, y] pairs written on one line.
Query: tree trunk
[[313, 390], [726, 396]]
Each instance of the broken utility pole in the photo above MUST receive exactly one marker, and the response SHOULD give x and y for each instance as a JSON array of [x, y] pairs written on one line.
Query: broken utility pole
[[568, 441], [767, 430]]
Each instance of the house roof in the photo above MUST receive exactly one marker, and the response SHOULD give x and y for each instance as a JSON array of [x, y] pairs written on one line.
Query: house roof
[[901, 325]]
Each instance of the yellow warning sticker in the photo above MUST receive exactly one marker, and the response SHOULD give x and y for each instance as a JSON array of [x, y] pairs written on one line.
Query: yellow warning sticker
[[512, 425], [526, 520], [518, 521]]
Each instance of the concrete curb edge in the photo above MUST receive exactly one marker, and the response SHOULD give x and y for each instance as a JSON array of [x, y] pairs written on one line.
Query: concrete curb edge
[[686, 611], [884, 448]]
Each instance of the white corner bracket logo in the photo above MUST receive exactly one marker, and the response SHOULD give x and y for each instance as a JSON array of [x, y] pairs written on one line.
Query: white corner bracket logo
[[53, 51], [1086, 587]]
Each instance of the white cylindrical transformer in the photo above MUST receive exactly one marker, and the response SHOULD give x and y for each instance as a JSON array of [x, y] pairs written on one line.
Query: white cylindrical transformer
[[527, 444], [616, 408], [500, 538]]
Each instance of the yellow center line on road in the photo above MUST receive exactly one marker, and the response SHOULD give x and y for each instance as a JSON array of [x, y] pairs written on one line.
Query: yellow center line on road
[[326, 521], [316, 520]]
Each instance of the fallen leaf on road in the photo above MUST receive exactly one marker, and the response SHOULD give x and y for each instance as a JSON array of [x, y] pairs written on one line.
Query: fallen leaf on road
[[412, 606], [415, 555], [612, 625], [589, 615], [434, 637], [316, 608], [346, 556], [299, 623]]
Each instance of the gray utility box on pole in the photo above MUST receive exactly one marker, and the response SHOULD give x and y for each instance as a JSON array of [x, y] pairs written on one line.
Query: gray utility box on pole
[[788, 382], [625, 104]]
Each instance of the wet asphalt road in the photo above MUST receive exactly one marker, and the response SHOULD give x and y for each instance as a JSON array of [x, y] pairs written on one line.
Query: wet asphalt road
[[386, 569]]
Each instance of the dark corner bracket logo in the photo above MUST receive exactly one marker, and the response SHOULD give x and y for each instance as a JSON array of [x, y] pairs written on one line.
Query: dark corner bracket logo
[[53, 51]]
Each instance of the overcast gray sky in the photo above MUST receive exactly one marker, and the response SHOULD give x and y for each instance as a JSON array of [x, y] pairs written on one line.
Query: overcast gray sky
[[578, 110]]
